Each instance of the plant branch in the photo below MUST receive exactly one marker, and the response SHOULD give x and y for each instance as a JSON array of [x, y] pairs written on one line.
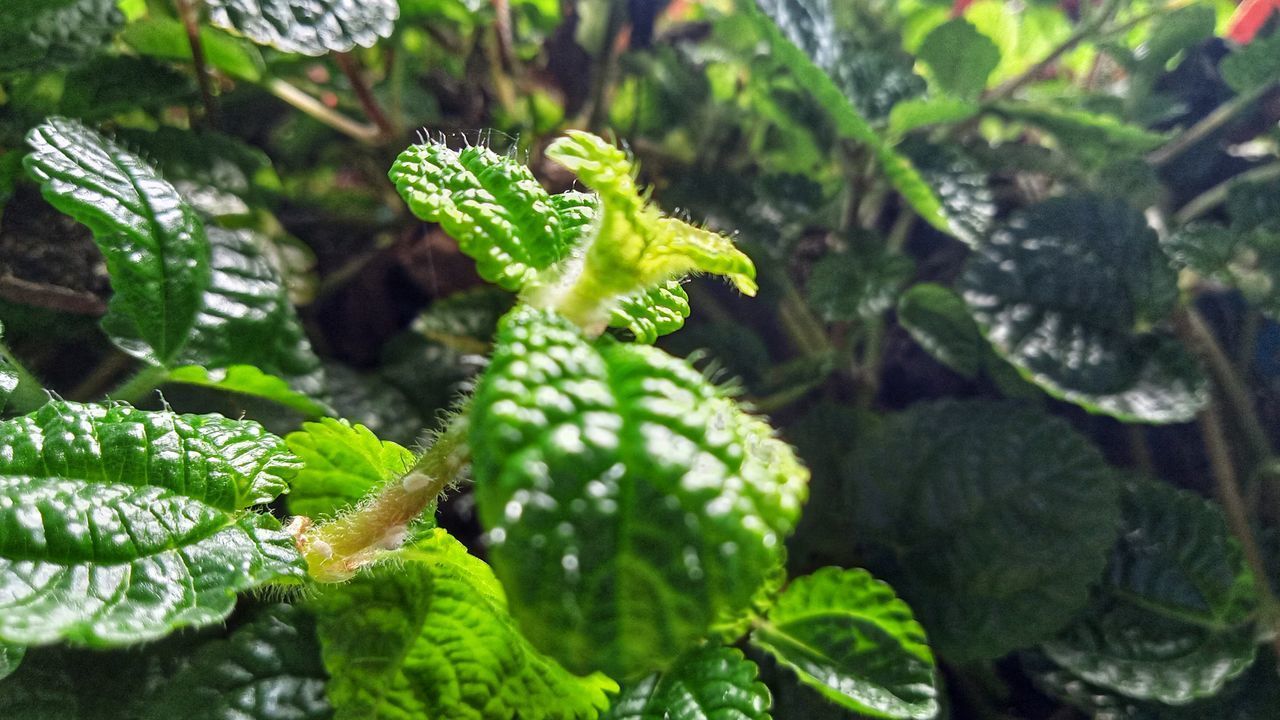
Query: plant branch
[[368, 134], [191, 22], [1083, 32], [139, 384], [1207, 126], [372, 109], [1216, 195], [336, 550]]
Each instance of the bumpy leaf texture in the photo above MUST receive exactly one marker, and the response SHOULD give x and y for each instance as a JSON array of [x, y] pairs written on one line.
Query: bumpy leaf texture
[[631, 507], [857, 285], [999, 516], [119, 525], [340, 464], [960, 58], [846, 634], [709, 683], [429, 636], [1093, 138], [307, 27], [47, 34]]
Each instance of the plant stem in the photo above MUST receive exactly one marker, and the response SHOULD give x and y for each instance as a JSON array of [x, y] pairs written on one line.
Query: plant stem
[[360, 132], [351, 68], [191, 22], [336, 550], [1228, 489], [139, 384], [30, 393], [1214, 196], [804, 330], [1210, 123], [1082, 33]]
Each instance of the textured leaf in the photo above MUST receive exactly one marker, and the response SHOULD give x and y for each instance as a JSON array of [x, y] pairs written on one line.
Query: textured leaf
[[1247, 259], [960, 58], [122, 83], [1253, 66], [268, 669], [121, 525], [939, 321], [45, 34], [650, 314], [369, 399], [62, 683], [999, 517], [909, 115], [1095, 139], [307, 27], [961, 184], [709, 683], [154, 243], [429, 636], [10, 656], [1064, 291], [192, 159], [631, 507], [8, 377], [1172, 620], [166, 38], [857, 285], [340, 464], [249, 380], [846, 634]]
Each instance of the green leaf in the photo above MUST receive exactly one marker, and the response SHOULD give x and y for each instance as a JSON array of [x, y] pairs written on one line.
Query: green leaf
[[1068, 291], [205, 159], [1171, 33], [709, 683], [1093, 138], [1247, 259], [1253, 66], [998, 518], [788, 27], [369, 399], [959, 58], [846, 634], [939, 321], [307, 27], [46, 34], [962, 186], [857, 285], [9, 377], [650, 314], [249, 380], [631, 507], [166, 38], [121, 525], [154, 243], [429, 636], [121, 84], [910, 115], [10, 657], [1172, 620], [340, 464]]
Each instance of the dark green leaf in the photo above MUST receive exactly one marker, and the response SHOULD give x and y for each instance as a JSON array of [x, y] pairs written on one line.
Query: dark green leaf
[[8, 377], [1247, 259], [43, 34], [961, 184], [10, 657], [1171, 33], [203, 159], [846, 634], [631, 507], [709, 683], [429, 636], [999, 518], [1093, 138], [121, 84], [960, 58], [340, 464], [369, 399], [121, 525], [857, 285], [1065, 290], [166, 38], [1253, 66], [939, 321], [308, 27], [154, 243]]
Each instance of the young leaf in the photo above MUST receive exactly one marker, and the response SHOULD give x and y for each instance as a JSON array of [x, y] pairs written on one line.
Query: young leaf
[[632, 508], [960, 58], [999, 518], [845, 633], [10, 656], [268, 669], [1065, 290], [154, 243], [340, 463], [307, 27], [1172, 620], [909, 115], [429, 636], [652, 313], [122, 525], [47, 34], [708, 683]]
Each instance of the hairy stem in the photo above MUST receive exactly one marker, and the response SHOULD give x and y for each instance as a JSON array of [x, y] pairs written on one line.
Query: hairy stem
[[336, 550], [190, 21], [1216, 195], [355, 75], [1207, 126], [360, 132], [139, 384]]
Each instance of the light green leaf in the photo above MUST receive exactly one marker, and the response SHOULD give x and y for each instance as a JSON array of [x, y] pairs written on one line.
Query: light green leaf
[[10, 657], [268, 669], [960, 58], [909, 115], [1254, 66], [429, 636], [939, 321], [1093, 138], [857, 285], [154, 243], [249, 380], [307, 27], [709, 683], [998, 517], [650, 314], [340, 464], [1068, 291], [1172, 620], [166, 38], [46, 34], [121, 525], [845, 633], [631, 507]]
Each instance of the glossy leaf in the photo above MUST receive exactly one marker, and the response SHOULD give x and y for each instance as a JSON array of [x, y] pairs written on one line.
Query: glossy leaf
[[999, 517], [45, 34], [1172, 620], [248, 380], [1065, 290], [122, 525], [8, 377], [154, 244], [307, 27], [1094, 138], [340, 464], [166, 38], [268, 669], [963, 187], [857, 285], [709, 683], [845, 633], [939, 321], [429, 636], [10, 657], [631, 507], [960, 58], [369, 399]]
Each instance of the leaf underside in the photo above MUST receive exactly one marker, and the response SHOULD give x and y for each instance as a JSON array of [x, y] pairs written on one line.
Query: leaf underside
[[307, 27]]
